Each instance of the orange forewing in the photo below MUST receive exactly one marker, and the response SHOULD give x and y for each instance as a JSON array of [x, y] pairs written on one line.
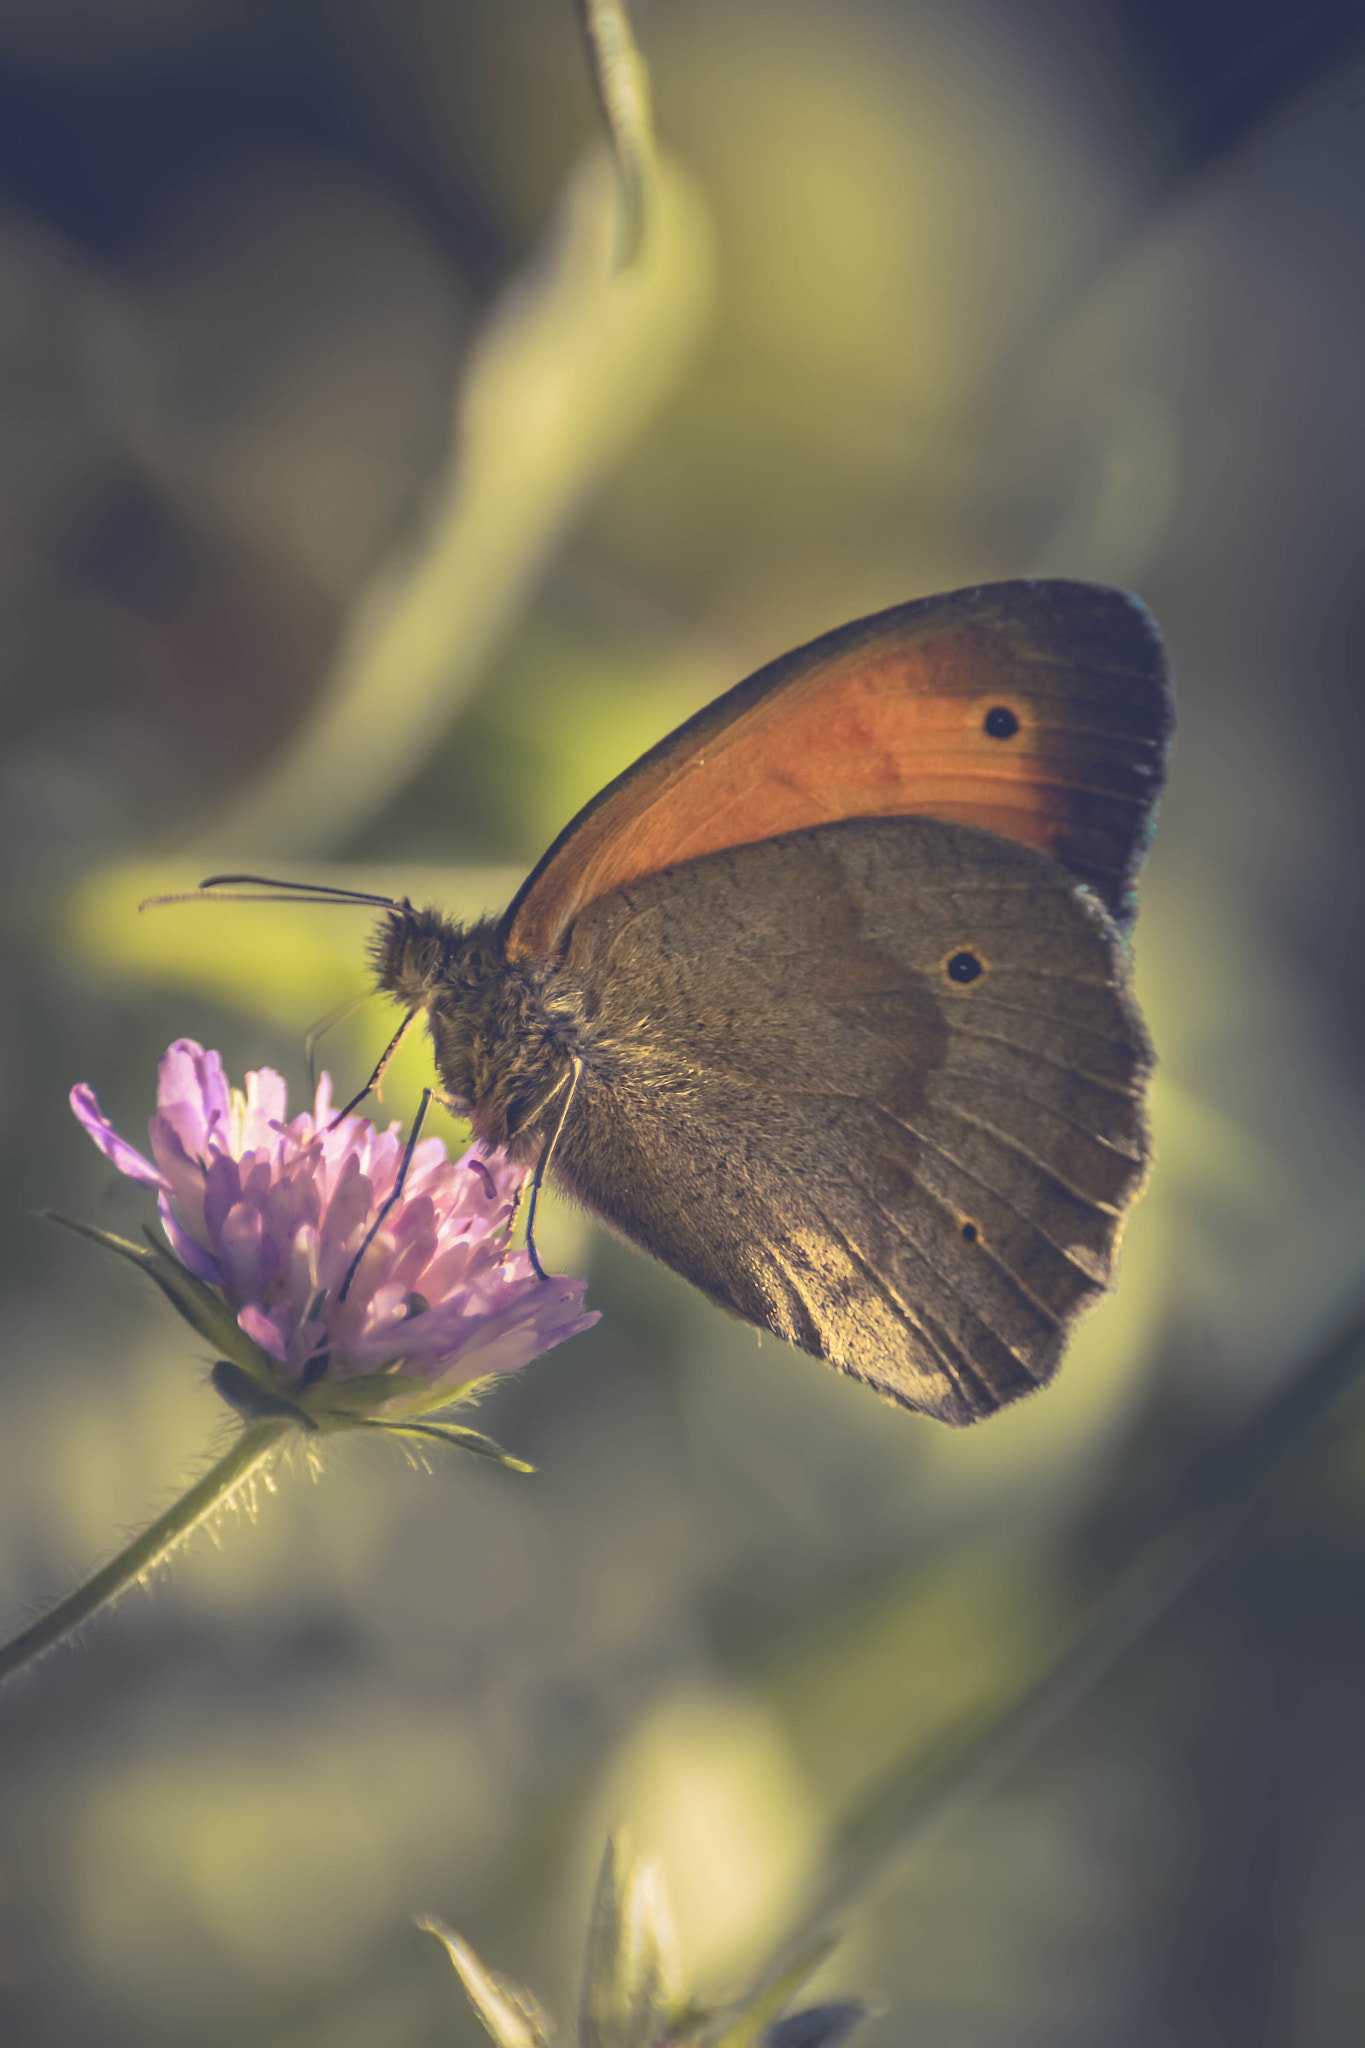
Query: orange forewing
[[892, 717]]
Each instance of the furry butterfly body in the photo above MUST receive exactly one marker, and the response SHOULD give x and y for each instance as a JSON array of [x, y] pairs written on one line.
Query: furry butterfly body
[[825, 1001]]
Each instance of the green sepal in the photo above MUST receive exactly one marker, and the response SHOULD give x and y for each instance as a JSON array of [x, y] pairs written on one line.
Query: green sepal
[[632, 1992], [448, 1433], [510, 2013], [202, 1306], [373, 1396], [244, 1392], [427, 1400], [341, 1401]]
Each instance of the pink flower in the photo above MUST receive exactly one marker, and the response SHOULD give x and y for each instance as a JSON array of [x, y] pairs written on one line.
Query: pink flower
[[272, 1214]]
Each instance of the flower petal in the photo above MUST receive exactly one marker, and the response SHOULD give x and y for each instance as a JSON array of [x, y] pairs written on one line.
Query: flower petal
[[272, 1213], [126, 1157], [202, 1264], [265, 1107], [247, 1256], [192, 1094], [262, 1330]]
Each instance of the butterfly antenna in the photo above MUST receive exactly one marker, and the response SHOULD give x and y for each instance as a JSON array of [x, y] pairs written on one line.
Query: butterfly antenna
[[248, 888], [377, 1076], [373, 1231], [319, 1030], [547, 1154]]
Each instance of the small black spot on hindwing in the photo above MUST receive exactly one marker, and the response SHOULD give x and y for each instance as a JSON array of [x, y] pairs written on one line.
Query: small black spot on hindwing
[[963, 967], [1000, 722]]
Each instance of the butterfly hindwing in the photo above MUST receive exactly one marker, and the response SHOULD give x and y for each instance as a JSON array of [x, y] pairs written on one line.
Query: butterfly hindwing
[[876, 1086]]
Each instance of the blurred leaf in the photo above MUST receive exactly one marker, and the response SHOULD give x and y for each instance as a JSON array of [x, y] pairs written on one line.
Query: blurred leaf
[[510, 2013]]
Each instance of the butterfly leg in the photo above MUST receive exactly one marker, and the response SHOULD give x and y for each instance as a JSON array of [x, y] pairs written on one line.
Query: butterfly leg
[[397, 1190], [377, 1076], [547, 1154]]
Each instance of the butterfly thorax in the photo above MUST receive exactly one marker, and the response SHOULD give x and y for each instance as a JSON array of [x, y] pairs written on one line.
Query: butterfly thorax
[[504, 1032]]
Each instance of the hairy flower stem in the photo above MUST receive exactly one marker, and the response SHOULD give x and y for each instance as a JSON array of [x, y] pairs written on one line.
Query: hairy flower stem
[[251, 1451]]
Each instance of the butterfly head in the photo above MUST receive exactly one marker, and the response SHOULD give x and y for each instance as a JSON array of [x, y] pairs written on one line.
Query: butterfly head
[[411, 953], [500, 1050]]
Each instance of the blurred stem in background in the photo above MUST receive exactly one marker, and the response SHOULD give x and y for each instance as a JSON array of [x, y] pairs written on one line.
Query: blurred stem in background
[[622, 82], [633, 1987], [923, 1792], [573, 362]]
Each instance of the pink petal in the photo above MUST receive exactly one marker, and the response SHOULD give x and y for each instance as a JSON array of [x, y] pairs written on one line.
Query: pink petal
[[201, 1263], [245, 1253], [126, 1157], [184, 1188], [192, 1094], [262, 1331], [344, 1223], [222, 1191], [265, 1106]]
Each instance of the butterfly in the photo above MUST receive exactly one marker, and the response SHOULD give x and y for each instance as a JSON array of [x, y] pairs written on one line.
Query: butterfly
[[825, 1002]]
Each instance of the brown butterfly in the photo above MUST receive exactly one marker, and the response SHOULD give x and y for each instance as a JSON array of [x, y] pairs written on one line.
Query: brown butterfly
[[825, 1001]]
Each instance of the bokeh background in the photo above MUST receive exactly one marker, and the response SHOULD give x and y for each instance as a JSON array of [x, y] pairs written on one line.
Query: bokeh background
[[357, 519]]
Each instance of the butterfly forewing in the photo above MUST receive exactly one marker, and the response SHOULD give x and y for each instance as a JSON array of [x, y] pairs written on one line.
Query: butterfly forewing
[[1038, 710], [876, 1086]]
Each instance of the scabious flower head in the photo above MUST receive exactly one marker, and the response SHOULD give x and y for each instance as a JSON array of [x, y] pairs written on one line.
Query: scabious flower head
[[272, 1212]]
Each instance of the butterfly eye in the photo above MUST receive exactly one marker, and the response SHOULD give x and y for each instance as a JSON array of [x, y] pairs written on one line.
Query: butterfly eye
[[963, 967], [1000, 722]]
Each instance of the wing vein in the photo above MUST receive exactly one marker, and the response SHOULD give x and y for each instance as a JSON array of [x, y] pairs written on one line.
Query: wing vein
[[1012, 1144], [954, 1370], [1045, 1059], [1029, 1222]]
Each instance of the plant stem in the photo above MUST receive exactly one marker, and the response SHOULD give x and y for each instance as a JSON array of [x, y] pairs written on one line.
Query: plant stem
[[622, 81], [250, 1452]]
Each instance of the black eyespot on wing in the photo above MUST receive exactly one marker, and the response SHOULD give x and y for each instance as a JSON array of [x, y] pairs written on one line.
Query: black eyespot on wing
[[1001, 723], [970, 1233], [963, 967]]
